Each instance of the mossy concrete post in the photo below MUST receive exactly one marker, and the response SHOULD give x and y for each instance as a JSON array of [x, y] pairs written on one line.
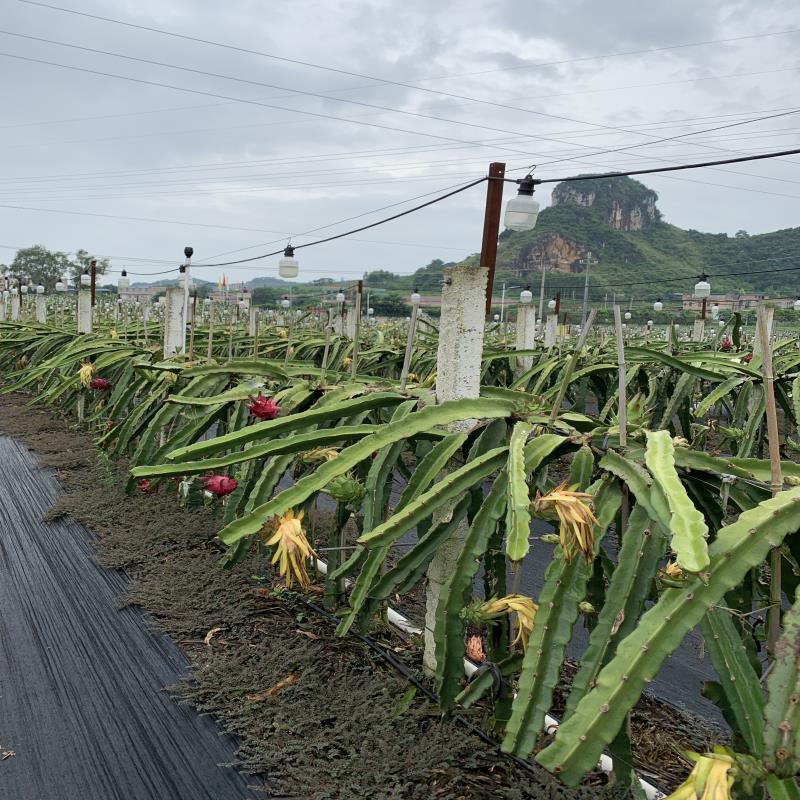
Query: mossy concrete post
[[85, 311], [458, 373], [526, 334], [174, 325]]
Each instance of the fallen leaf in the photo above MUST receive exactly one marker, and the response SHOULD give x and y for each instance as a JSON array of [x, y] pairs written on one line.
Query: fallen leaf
[[273, 690], [309, 634], [7, 754], [210, 635]]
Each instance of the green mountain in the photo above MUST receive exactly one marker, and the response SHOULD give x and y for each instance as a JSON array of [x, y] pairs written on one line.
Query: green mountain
[[633, 250]]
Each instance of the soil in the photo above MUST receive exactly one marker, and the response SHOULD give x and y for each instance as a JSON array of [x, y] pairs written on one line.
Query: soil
[[317, 717]]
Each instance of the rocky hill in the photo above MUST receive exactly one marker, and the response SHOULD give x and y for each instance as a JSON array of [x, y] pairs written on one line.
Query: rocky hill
[[617, 220]]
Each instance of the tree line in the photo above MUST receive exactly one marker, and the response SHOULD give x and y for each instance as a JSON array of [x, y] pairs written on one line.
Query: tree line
[[38, 265]]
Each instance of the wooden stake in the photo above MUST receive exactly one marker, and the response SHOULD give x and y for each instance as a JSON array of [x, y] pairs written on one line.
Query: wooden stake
[[776, 483], [622, 415], [210, 331]]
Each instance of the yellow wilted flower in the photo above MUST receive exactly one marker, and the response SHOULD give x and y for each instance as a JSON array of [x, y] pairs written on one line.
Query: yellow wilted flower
[[709, 780], [291, 547], [320, 454], [113, 333], [522, 606], [347, 362], [282, 334], [85, 374], [576, 520]]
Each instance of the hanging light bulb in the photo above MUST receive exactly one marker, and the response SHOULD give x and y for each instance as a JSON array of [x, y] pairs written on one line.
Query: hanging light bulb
[[522, 210], [796, 304], [86, 279], [497, 318], [286, 302], [649, 323], [416, 297], [715, 310], [23, 289], [624, 325], [658, 305], [526, 296], [207, 301], [6, 294], [340, 297], [551, 304], [124, 281], [40, 289], [61, 286], [370, 312], [702, 288], [628, 315], [721, 323], [288, 266]]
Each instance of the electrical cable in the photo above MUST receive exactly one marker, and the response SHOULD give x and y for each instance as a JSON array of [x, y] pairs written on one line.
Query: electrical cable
[[331, 69]]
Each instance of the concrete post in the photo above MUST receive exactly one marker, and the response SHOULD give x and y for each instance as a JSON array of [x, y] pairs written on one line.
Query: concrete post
[[174, 327], [550, 331], [526, 334], [458, 372], [41, 309], [84, 311], [350, 323], [699, 330], [252, 321], [15, 307], [3, 310]]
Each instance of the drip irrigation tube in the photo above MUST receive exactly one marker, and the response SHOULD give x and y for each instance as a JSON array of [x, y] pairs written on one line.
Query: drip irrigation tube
[[551, 724]]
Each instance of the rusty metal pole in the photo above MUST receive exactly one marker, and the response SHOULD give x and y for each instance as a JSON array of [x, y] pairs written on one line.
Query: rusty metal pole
[[491, 226], [93, 273], [558, 304]]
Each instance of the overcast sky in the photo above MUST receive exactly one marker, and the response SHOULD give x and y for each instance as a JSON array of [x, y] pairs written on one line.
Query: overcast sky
[[136, 171]]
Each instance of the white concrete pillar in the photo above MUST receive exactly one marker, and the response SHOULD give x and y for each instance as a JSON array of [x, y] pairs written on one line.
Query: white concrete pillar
[[252, 322], [84, 311], [15, 307], [550, 331], [699, 330], [526, 334], [350, 323], [41, 309], [458, 367], [3, 310], [458, 376], [174, 326]]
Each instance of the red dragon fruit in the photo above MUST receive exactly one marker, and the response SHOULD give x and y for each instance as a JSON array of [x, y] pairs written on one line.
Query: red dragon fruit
[[219, 485], [263, 407], [99, 384], [725, 345]]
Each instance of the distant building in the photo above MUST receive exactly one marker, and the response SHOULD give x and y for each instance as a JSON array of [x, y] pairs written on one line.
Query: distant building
[[232, 295], [733, 301], [141, 294]]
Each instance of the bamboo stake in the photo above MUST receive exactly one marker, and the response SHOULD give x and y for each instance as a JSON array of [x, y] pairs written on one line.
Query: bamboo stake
[[412, 327], [622, 415], [357, 332], [571, 364], [191, 327], [328, 327], [210, 331], [776, 484]]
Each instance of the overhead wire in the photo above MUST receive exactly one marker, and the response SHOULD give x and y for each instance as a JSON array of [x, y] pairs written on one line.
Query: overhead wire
[[317, 66]]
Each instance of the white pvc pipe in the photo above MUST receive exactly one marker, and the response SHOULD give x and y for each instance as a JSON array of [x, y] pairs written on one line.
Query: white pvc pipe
[[551, 724]]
